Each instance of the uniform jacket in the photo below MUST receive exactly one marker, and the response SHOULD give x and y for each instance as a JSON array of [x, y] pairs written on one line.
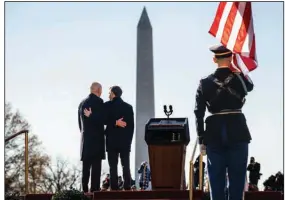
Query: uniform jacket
[[216, 97]]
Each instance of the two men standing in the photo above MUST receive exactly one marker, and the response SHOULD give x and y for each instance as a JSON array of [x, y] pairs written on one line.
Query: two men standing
[[93, 114]]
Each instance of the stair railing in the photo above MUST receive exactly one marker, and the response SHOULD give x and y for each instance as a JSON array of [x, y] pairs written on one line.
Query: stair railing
[[191, 172], [26, 155]]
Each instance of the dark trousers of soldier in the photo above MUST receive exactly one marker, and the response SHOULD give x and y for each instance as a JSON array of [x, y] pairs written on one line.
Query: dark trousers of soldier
[[227, 158], [113, 158], [95, 166]]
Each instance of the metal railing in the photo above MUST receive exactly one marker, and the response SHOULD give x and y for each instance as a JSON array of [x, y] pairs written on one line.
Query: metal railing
[[191, 172], [26, 154]]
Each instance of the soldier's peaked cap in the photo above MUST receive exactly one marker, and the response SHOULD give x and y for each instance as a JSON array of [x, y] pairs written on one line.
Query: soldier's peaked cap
[[221, 51]]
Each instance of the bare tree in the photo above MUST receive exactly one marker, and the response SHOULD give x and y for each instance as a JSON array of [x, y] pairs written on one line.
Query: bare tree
[[43, 177], [61, 176], [14, 155]]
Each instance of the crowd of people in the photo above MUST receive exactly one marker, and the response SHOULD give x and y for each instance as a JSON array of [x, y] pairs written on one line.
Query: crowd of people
[[106, 184], [144, 180], [273, 183]]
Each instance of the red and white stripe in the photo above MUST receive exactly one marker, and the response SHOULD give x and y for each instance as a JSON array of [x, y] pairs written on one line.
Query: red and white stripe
[[233, 27]]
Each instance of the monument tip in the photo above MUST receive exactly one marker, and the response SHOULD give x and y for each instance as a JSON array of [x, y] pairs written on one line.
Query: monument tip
[[144, 21]]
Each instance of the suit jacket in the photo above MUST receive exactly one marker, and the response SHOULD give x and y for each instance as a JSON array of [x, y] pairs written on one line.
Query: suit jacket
[[92, 128], [118, 139], [254, 170]]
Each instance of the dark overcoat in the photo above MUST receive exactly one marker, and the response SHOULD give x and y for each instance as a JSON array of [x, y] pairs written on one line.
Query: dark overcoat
[[254, 171], [92, 128], [118, 139]]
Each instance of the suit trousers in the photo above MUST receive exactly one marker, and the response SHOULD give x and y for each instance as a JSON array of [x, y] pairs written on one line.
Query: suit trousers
[[113, 157], [95, 166], [253, 179], [227, 158]]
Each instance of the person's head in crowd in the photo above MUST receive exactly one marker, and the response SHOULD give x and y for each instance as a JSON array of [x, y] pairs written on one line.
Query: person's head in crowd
[[133, 188]]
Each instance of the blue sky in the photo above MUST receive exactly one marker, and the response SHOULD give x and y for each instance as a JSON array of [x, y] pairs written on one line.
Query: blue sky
[[54, 51]]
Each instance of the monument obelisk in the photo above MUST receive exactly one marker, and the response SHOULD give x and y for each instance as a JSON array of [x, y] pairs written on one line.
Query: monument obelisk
[[145, 87]]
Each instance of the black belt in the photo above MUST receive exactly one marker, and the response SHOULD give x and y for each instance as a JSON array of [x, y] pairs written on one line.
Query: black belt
[[227, 111]]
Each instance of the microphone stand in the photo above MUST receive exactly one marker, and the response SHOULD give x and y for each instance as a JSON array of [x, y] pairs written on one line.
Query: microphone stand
[[166, 112]]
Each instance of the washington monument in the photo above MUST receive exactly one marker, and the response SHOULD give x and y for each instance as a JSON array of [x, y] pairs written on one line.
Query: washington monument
[[145, 87]]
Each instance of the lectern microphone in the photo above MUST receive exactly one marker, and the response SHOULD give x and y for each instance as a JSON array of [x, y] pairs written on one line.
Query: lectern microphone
[[170, 109], [166, 112], [165, 109]]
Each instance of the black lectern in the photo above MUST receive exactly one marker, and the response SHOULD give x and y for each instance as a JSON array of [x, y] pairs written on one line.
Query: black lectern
[[167, 139]]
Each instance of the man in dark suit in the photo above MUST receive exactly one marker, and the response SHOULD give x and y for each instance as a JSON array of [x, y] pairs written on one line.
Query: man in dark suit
[[119, 136], [226, 136], [91, 125], [254, 172]]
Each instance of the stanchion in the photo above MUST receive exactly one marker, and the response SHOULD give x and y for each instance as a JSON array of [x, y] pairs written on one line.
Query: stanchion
[[191, 172], [191, 186], [26, 155], [26, 163], [201, 172]]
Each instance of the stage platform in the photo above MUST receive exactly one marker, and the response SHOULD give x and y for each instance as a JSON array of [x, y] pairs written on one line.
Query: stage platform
[[160, 195]]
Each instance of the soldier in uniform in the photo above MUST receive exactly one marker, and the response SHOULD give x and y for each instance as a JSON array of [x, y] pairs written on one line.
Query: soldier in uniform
[[226, 137]]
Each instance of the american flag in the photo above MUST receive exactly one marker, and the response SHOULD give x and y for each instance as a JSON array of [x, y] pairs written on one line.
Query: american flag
[[233, 27]]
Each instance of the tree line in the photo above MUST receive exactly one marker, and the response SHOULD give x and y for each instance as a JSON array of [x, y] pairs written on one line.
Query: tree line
[[44, 176]]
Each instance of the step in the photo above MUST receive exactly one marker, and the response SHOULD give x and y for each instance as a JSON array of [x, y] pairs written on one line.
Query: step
[[46, 196], [263, 196], [160, 195]]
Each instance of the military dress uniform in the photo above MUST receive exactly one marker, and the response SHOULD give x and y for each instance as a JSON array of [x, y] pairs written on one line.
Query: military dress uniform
[[226, 135]]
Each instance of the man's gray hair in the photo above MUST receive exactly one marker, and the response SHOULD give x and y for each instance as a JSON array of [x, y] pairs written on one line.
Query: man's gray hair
[[95, 86]]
